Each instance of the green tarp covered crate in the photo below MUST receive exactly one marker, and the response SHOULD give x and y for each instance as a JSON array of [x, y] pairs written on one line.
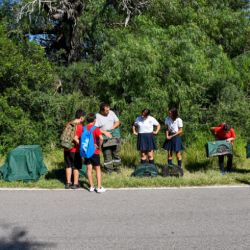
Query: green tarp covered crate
[[172, 170], [216, 148], [115, 140], [83, 170], [248, 150], [144, 170], [24, 163]]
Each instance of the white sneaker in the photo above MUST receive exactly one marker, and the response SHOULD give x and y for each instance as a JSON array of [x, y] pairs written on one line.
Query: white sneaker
[[91, 189], [100, 190]]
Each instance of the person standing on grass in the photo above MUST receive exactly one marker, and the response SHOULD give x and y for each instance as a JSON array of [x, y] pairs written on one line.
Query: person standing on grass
[[107, 121], [94, 161], [224, 132], [143, 128], [72, 158], [173, 142]]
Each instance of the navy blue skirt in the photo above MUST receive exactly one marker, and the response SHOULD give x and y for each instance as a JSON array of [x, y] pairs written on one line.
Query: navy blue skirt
[[174, 145], [146, 142]]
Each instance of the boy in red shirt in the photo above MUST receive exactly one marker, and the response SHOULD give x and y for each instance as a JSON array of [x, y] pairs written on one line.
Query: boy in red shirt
[[72, 158], [94, 161], [224, 132]]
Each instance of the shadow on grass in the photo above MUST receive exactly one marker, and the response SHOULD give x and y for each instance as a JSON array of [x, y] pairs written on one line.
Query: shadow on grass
[[130, 162], [57, 173], [243, 181], [198, 166], [83, 181], [240, 170], [18, 240]]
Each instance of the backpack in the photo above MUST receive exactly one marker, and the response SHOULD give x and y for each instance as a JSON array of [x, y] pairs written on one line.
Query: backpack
[[145, 170], [87, 145], [68, 135], [172, 170]]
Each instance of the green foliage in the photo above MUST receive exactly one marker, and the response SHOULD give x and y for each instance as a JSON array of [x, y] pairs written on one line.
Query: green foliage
[[23, 65], [189, 54], [32, 112]]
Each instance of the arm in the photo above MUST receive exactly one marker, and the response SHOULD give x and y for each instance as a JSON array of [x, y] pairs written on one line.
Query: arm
[[116, 124], [77, 135], [134, 130], [233, 136], [167, 132], [180, 131], [158, 127], [231, 139], [100, 141], [106, 133], [76, 139], [212, 129]]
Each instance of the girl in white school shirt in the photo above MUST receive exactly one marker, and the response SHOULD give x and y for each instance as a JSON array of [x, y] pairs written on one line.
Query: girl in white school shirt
[[143, 127], [173, 142]]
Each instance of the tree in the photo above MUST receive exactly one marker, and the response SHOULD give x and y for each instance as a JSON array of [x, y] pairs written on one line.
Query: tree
[[193, 54]]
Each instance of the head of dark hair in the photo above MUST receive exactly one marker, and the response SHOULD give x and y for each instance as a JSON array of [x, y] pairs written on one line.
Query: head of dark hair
[[90, 117], [103, 105], [145, 112], [79, 113], [226, 127], [174, 113]]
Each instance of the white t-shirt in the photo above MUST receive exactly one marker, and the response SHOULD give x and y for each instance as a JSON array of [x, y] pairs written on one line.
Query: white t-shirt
[[106, 122], [173, 126], [147, 125]]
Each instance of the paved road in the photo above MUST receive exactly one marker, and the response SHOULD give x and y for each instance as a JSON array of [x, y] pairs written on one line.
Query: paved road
[[207, 218]]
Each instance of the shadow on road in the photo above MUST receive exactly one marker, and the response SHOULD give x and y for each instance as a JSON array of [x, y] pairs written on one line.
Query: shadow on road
[[18, 240]]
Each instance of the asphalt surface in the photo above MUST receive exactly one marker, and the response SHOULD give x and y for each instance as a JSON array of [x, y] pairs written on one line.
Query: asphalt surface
[[206, 218]]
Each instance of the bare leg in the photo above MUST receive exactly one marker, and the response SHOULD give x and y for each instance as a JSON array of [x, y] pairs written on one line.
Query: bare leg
[[68, 175], [90, 176], [143, 157], [170, 157], [151, 155], [178, 156], [76, 176], [98, 176]]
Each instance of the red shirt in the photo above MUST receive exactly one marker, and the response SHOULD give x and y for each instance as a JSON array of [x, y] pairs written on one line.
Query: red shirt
[[96, 134], [220, 134], [79, 129]]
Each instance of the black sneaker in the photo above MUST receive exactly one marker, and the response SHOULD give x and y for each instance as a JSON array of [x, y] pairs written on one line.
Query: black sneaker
[[67, 185], [75, 186]]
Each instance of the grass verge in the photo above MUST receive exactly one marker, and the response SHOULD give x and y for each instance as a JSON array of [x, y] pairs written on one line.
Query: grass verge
[[198, 170]]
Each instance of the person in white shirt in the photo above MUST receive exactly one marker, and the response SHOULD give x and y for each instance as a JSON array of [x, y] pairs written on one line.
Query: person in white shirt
[[143, 127], [107, 121], [173, 142]]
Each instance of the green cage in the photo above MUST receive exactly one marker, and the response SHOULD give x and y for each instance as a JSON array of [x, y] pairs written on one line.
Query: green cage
[[24, 163], [216, 148]]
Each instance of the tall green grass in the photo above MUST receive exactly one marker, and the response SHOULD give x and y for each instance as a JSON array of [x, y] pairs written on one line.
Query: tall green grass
[[198, 169]]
